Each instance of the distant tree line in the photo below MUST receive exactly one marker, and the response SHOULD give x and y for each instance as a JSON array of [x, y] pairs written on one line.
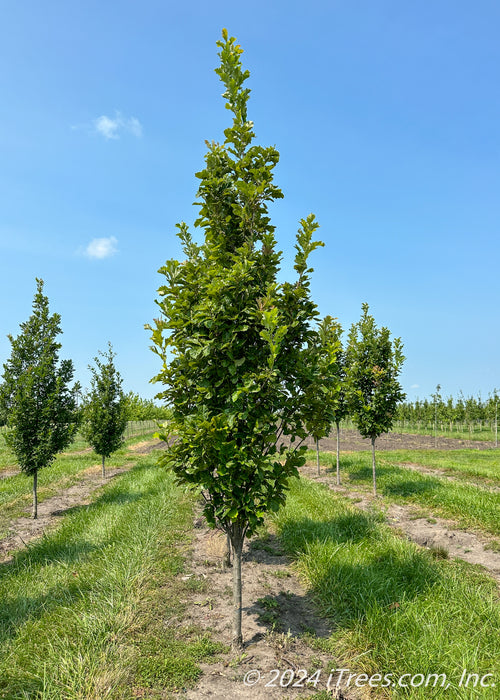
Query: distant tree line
[[138, 408], [465, 410]]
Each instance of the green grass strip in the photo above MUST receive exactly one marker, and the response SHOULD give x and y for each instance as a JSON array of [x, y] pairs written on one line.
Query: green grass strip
[[394, 608], [15, 491], [471, 506], [482, 433], [480, 464], [86, 610]]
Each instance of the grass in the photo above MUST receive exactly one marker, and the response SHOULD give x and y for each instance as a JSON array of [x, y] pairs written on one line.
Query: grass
[[94, 610], [478, 464], [66, 470], [394, 607], [469, 505], [15, 491]]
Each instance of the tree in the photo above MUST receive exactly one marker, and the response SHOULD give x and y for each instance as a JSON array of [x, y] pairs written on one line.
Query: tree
[[40, 407], [232, 341], [438, 403], [105, 407], [340, 408], [323, 393], [374, 364]]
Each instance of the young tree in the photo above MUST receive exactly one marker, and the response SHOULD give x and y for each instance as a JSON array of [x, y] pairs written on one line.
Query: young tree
[[105, 407], [233, 342], [341, 409], [323, 393], [40, 407], [438, 403], [374, 364]]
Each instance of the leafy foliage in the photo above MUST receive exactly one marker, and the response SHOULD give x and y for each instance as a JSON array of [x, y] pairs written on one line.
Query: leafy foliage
[[144, 409], [374, 364], [105, 406], [324, 398], [239, 367], [235, 344], [460, 409]]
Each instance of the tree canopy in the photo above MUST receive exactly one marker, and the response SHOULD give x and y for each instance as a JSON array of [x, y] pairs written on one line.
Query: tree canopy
[[374, 363], [105, 407]]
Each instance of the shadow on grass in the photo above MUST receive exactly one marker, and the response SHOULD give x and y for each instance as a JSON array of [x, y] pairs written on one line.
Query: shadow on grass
[[412, 487], [19, 610], [354, 568], [394, 481], [66, 548], [348, 527]]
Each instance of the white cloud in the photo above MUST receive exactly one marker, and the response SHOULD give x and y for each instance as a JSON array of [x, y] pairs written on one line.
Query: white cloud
[[100, 248], [415, 386], [107, 127], [113, 128]]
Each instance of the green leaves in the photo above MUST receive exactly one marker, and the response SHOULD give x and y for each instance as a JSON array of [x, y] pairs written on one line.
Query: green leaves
[[374, 364], [35, 395], [234, 344], [324, 397], [305, 244], [105, 406]]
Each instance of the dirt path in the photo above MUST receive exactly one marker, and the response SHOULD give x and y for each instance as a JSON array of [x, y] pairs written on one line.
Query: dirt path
[[279, 622], [351, 441], [443, 536]]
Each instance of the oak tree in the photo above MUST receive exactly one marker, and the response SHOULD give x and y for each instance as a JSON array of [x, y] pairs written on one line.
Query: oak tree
[[324, 391], [340, 406], [232, 340]]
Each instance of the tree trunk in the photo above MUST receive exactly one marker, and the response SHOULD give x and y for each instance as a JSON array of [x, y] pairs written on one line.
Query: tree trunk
[[317, 456], [35, 495], [103, 470], [338, 454], [373, 468], [227, 557], [237, 543]]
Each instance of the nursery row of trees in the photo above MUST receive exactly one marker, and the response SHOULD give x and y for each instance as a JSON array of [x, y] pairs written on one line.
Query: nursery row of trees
[[359, 381], [461, 410], [40, 406], [248, 368]]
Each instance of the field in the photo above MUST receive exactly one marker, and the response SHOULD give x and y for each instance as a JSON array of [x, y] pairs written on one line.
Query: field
[[119, 590]]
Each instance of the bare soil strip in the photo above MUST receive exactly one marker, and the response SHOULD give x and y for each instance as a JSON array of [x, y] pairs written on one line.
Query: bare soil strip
[[351, 441], [439, 534], [279, 622]]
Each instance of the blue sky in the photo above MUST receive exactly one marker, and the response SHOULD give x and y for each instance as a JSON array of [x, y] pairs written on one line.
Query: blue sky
[[387, 118]]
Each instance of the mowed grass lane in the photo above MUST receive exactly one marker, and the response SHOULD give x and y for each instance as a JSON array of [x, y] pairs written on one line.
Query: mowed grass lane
[[395, 609], [86, 611], [67, 468], [469, 505], [461, 464]]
